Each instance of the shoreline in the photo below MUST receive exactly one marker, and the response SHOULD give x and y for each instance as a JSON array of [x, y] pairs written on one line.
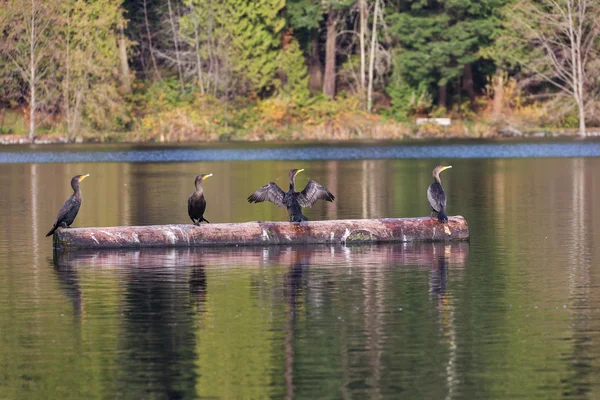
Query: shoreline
[[53, 139]]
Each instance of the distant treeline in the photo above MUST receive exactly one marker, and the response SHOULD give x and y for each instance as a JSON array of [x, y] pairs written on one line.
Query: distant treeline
[[114, 65]]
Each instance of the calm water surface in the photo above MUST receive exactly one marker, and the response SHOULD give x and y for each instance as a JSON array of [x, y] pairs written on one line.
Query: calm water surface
[[513, 314]]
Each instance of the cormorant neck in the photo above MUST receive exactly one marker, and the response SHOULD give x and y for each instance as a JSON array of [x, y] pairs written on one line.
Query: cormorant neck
[[75, 187], [437, 179], [198, 187], [293, 184]]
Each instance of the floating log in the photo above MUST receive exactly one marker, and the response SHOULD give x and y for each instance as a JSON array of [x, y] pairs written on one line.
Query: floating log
[[264, 233]]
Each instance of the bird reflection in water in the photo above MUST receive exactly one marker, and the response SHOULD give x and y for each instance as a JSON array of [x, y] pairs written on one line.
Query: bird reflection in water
[[198, 287], [293, 290], [438, 279], [156, 338], [438, 276], [68, 280]]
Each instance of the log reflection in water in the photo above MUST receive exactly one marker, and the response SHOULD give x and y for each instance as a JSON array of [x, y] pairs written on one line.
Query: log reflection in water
[[323, 269], [415, 254]]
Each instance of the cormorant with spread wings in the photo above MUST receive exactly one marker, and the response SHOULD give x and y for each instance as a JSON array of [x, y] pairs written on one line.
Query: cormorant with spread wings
[[292, 200]]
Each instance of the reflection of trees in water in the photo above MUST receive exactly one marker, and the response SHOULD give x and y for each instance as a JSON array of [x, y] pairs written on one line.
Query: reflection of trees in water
[[348, 335], [438, 278], [293, 292], [156, 341], [157, 345], [341, 325], [583, 357]]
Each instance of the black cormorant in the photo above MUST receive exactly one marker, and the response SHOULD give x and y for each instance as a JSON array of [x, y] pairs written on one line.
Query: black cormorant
[[292, 200], [69, 210], [196, 202], [436, 195]]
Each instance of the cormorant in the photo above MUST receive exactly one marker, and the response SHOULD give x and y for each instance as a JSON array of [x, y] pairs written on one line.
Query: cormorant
[[69, 210], [436, 195], [196, 202], [292, 200]]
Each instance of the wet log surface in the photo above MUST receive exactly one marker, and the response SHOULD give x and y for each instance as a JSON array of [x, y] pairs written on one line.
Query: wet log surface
[[264, 233]]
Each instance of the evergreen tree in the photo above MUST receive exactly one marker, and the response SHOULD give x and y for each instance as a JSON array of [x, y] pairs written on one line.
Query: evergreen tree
[[440, 40], [290, 60], [253, 28], [305, 17]]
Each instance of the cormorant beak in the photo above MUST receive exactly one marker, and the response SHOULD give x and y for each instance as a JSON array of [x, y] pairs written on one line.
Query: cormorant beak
[[447, 167], [297, 172], [207, 176], [83, 177]]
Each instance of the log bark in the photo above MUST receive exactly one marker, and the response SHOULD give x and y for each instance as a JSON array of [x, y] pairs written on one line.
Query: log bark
[[264, 233]]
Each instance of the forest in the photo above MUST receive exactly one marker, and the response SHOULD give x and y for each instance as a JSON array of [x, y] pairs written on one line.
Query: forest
[[200, 70]]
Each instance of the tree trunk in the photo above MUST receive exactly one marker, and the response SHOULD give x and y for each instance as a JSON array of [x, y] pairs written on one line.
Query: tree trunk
[[580, 88], [442, 92], [468, 81], [330, 54], [498, 101], [176, 44], [577, 72], [315, 68], [32, 106], [581, 106], [67, 82], [372, 57], [32, 77], [363, 29], [197, 46], [150, 46], [125, 74]]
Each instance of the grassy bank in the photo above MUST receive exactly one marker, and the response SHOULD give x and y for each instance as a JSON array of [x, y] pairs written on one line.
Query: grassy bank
[[155, 116]]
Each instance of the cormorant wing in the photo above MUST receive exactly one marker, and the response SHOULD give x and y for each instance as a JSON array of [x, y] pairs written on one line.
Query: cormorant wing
[[62, 213], [436, 197], [313, 192], [66, 207], [270, 192], [197, 203]]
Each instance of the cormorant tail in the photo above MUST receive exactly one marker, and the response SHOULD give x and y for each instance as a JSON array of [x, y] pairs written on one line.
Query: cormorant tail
[[442, 217], [51, 230], [204, 219], [299, 218]]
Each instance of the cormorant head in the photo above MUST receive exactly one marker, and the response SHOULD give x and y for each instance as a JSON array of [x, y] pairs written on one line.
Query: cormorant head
[[440, 168], [201, 178], [294, 172], [76, 179]]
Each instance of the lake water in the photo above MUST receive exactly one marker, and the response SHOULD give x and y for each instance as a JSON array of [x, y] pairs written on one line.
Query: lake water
[[514, 313]]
